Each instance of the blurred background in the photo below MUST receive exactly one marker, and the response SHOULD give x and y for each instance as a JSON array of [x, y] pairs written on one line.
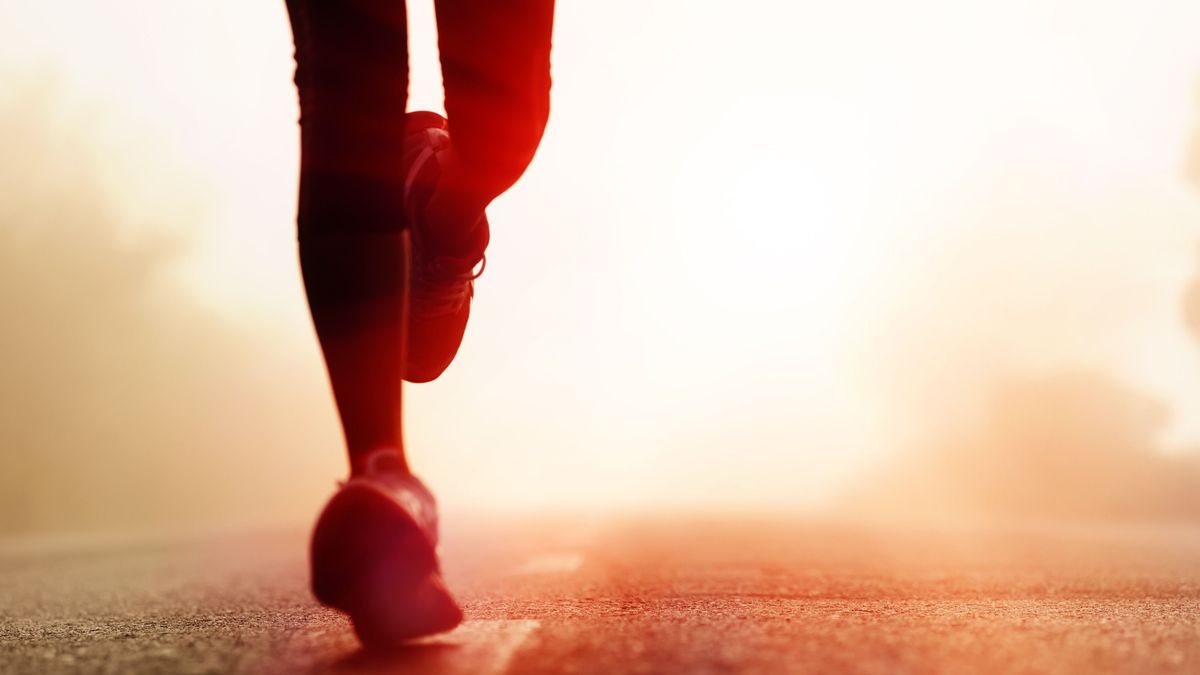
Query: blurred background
[[920, 260]]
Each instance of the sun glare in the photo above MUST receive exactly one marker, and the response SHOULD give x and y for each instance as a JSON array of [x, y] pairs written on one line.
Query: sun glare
[[761, 241]]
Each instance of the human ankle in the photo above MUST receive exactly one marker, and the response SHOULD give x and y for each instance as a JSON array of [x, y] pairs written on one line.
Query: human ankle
[[385, 458]]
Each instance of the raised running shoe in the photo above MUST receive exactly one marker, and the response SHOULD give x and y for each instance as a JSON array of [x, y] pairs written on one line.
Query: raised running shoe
[[441, 286]]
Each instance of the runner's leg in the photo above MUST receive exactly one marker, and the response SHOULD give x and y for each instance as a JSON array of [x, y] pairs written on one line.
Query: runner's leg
[[352, 76], [496, 70]]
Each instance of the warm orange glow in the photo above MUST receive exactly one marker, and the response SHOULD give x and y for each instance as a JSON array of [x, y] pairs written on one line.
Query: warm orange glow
[[767, 251]]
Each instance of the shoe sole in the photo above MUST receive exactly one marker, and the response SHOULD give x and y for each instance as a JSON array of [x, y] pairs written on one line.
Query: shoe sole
[[437, 331], [373, 561]]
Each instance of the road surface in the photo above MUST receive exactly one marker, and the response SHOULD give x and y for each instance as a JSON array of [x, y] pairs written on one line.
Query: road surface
[[669, 595]]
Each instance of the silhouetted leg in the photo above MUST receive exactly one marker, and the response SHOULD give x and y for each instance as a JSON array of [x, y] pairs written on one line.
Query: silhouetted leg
[[352, 76], [496, 70]]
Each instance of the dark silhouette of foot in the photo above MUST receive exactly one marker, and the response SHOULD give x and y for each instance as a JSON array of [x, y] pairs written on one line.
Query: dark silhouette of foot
[[443, 280], [374, 555]]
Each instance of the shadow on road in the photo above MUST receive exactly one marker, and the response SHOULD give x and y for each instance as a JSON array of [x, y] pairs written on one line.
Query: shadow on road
[[425, 657]]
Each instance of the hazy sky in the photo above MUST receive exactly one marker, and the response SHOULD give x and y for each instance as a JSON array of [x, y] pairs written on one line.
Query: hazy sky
[[764, 246]]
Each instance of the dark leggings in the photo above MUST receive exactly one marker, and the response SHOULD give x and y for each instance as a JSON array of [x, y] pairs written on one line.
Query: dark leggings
[[352, 75]]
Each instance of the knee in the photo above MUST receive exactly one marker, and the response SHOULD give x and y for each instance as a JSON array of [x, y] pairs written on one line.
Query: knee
[[496, 159]]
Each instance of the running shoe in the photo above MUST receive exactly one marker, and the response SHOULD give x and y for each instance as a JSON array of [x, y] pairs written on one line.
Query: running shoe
[[441, 286], [374, 555]]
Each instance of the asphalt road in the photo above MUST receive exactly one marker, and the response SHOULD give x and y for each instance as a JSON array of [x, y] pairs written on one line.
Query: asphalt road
[[677, 595]]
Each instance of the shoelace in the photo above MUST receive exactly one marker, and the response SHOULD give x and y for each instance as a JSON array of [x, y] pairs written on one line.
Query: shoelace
[[441, 288]]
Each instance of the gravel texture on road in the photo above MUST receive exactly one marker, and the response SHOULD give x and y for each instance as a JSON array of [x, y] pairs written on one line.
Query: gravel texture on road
[[669, 595]]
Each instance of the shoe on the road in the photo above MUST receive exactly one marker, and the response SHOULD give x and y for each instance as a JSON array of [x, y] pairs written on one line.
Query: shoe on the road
[[374, 555], [442, 286]]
